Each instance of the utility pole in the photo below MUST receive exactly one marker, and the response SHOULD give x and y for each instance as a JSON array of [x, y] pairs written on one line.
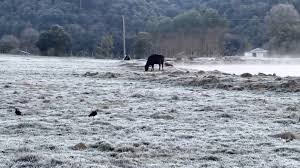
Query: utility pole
[[124, 37], [80, 4]]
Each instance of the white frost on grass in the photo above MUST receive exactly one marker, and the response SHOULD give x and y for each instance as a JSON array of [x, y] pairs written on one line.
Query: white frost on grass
[[142, 121]]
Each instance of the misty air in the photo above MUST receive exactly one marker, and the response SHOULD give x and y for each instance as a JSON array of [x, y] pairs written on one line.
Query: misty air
[[149, 84]]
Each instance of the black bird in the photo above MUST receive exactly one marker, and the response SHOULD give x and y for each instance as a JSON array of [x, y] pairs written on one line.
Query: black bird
[[93, 113], [18, 112]]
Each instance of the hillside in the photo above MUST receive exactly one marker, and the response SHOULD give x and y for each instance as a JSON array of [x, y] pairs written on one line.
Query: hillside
[[91, 21]]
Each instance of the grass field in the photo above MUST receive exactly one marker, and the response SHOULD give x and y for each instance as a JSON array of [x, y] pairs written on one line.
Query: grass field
[[151, 119]]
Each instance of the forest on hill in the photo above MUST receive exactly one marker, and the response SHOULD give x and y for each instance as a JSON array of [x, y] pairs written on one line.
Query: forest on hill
[[170, 27]]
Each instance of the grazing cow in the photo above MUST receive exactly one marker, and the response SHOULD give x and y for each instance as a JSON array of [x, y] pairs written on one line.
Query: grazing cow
[[155, 59]]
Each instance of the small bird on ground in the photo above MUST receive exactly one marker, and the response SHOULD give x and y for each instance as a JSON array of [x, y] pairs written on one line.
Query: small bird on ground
[[18, 112], [93, 113]]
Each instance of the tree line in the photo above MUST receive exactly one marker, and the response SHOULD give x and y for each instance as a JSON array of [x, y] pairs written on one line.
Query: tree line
[[173, 27]]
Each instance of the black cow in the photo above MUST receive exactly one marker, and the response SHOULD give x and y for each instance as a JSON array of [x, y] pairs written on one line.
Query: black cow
[[155, 59]]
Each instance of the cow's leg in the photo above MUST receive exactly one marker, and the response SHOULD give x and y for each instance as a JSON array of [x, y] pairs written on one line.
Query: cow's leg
[[162, 66], [159, 66], [152, 68]]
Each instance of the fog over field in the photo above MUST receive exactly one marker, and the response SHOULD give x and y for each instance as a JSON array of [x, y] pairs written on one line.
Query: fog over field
[[280, 66], [179, 117]]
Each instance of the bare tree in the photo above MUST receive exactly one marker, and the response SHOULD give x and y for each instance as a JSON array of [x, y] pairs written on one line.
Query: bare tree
[[28, 38]]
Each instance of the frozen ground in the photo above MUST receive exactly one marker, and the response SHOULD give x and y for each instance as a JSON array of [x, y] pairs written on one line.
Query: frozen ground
[[280, 70], [156, 119]]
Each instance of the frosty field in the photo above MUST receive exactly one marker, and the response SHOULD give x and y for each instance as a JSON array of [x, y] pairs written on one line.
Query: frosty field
[[174, 118]]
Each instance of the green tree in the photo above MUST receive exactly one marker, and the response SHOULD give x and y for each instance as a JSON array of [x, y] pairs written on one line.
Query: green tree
[[188, 21], [283, 25], [233, 45], [55, 39], [142, 44], [79, 37], [106, 46]]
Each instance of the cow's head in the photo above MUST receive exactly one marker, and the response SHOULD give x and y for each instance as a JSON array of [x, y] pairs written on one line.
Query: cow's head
[[146, 67]]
